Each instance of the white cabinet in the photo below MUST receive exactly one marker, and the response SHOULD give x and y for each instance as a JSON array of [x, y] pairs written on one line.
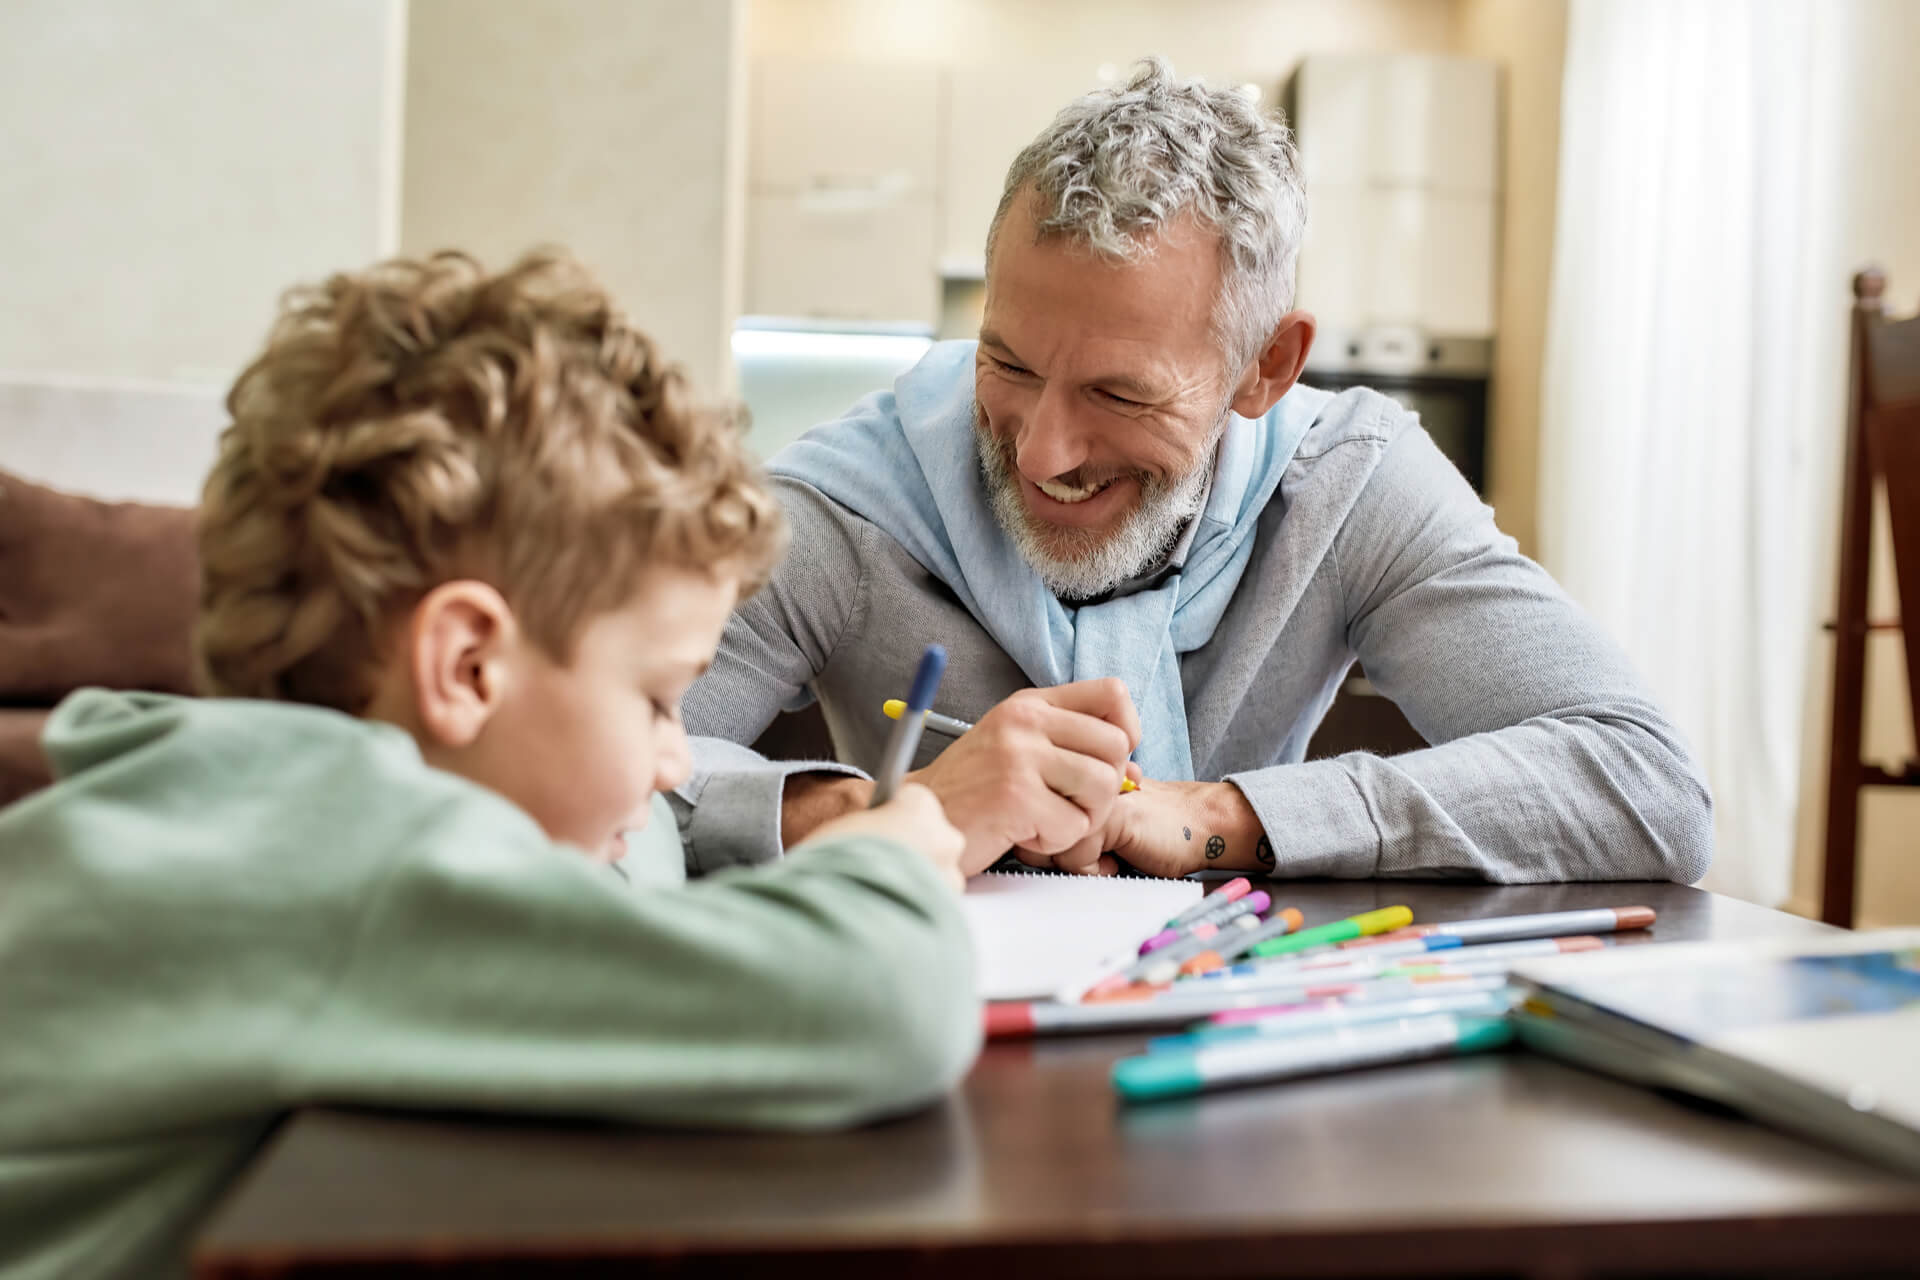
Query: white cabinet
[[1398, 120], [1402, 256], [1400, 155], [826, 254], [1436, 124], [843, 122], [843, 170]]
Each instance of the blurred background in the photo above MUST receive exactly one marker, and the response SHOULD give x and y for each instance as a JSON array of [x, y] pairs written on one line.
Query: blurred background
[[1602, 246]]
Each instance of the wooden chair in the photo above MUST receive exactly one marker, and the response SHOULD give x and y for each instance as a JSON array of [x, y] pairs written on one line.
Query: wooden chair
[[1883, 444]]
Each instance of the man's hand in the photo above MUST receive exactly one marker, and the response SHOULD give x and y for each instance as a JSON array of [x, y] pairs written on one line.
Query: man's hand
[[1041, 770], [810, 799], [913, 818], [1171, 829]]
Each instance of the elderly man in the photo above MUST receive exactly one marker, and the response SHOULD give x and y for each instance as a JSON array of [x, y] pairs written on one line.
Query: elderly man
[[1149, 552]]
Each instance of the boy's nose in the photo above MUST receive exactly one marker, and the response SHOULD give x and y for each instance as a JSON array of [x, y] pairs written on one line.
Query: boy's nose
[[674, 763]]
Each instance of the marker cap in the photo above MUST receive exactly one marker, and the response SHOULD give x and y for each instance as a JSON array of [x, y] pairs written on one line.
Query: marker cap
[[1157, 1075], [1009, 1020], [926, 679], [1479, 1034]]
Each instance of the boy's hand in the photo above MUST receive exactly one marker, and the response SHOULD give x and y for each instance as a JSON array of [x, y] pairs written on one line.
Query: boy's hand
[[913, 818]]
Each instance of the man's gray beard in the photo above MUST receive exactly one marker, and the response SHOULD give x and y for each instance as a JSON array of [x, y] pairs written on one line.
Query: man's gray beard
[[1097, 561]]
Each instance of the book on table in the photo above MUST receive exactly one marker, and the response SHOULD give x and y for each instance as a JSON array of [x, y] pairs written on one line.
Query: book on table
[[1818, 1036]]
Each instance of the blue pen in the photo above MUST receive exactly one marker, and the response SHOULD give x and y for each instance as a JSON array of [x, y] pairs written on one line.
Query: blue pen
[[906, 730]]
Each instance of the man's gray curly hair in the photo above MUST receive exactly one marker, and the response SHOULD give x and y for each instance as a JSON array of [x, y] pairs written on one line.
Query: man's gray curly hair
[[1118, 164]]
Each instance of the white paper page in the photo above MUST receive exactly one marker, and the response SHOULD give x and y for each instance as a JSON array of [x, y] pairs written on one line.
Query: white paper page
[[1032, 934]]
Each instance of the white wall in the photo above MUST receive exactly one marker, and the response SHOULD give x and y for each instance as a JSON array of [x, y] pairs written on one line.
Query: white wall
[[1221, 38], [165, 171], [613, 127]]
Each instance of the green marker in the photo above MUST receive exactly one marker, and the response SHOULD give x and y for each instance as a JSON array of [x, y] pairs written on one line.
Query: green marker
[[1366, 923]]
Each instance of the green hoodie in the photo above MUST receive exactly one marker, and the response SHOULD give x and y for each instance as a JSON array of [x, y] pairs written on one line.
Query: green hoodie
[[226, 909]]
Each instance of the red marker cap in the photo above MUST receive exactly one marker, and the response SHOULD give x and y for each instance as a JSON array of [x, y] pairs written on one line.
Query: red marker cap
[[1009, 1020]]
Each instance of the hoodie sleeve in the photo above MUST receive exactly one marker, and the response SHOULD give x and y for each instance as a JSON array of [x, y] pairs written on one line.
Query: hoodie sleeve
[[831, 988]]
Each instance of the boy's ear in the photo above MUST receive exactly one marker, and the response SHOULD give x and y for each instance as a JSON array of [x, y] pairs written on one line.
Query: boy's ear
[[1277, 367], [459, 640]]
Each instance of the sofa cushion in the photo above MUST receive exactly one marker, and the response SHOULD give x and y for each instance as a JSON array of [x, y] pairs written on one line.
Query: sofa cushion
[[92, 593]]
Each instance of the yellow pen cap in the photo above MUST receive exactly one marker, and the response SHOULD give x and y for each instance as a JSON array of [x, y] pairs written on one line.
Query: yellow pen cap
[[1384, 920], [894, 708]]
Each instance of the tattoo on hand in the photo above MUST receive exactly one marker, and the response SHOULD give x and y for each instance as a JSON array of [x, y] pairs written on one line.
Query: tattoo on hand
[[1187, 832], [1216, 845], [1263, 852]]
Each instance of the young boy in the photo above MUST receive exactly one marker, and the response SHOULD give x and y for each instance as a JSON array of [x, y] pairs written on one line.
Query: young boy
[[465, 545]]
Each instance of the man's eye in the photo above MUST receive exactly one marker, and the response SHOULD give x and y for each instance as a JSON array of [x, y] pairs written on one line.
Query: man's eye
[[1013, 370], [1123, 402]]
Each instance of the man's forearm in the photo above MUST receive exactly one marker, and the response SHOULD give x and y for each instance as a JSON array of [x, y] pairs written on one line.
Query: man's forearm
[[812, 799], [1234, 838], [1219, 829]]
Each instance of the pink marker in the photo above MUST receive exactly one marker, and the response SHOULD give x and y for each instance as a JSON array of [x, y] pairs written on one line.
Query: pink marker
[[1238, 887], [1216, 914]]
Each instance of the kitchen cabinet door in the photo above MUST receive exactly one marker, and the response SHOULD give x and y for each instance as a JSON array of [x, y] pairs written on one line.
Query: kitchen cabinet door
[[1399, 256], [841, 124], [846, 255], [1397, 120]]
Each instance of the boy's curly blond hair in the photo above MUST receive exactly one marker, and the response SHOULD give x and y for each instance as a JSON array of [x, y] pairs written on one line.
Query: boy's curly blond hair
[[424, 421]]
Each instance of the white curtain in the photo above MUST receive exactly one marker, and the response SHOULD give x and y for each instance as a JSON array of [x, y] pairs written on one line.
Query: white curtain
[[1684, 426]]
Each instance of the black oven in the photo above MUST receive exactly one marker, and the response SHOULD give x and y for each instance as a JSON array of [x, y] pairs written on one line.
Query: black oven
[[1444, 380]]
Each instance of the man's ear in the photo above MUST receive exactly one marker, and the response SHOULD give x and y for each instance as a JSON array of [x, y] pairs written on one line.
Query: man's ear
[[1278, 366], [459, 639]]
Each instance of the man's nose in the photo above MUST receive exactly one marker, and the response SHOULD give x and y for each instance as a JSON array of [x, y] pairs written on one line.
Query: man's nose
[[1050, 442]]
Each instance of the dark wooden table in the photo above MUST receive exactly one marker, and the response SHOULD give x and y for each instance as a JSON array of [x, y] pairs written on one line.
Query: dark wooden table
[[1495, 1166]]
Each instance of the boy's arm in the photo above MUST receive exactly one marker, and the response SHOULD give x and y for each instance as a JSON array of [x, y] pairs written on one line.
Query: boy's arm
[[729, 811], [829, 989]]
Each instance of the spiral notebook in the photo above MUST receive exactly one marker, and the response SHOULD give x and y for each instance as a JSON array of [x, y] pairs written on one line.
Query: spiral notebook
[[1036, 931]]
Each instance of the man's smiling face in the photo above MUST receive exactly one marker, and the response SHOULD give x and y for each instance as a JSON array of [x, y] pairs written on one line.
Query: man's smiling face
[[1101, 392]]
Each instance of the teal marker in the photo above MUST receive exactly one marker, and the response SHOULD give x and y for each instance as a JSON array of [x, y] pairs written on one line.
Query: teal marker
[[1176, 1073], [1385, 920]]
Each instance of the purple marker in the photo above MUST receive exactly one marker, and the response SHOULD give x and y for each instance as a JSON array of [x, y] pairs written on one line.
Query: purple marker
[[1257, 901]]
